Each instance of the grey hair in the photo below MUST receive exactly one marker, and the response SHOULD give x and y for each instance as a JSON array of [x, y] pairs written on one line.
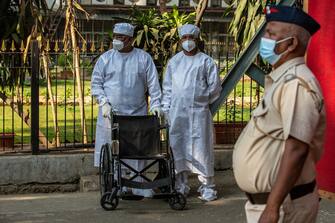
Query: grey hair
[[302, 34]]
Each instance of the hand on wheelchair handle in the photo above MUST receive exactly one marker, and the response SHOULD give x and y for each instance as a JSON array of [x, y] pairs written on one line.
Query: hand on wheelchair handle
[[158, 111], [106, 110]]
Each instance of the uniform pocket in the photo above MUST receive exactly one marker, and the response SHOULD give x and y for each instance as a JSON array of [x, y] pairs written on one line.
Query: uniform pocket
[[265, 124], [258, 119], [261, 110]]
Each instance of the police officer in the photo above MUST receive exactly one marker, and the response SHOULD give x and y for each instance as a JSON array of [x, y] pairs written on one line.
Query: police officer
[[274, 158]]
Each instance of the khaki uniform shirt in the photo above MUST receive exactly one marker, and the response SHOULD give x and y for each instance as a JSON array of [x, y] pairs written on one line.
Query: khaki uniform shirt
[[292, 106]]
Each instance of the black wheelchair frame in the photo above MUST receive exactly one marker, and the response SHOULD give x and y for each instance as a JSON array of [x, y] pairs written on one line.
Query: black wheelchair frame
[[111, 180]]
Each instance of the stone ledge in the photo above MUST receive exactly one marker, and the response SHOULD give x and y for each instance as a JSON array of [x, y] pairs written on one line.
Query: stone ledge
[[89, 183], [45, 169], [38, 188], [64, 173]]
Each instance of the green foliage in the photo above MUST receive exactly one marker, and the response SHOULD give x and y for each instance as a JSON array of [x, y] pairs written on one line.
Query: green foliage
[[17, 21], [247, 18], [9, 18], [228, 65], [19, 17], [65, 60], [157, 33], [68, 121], [68, 94], [9, 75]]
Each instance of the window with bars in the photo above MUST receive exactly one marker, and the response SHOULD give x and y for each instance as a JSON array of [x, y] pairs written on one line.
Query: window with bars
[[216, 3], [151, 2], [118, 2], [184, 2]]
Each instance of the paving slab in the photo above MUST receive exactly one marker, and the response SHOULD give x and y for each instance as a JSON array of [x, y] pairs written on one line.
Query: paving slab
[[84, 207]]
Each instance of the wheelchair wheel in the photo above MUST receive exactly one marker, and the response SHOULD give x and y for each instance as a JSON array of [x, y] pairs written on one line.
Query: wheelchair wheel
[[105, 170], [177, 201], [109, 201]]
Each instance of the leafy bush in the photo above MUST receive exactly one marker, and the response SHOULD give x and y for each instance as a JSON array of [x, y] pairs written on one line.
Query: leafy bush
[[157, 33], [247, 17]]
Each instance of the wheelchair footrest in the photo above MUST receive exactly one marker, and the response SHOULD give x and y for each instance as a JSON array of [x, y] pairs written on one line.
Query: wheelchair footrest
[[146, 185], [131, 197]]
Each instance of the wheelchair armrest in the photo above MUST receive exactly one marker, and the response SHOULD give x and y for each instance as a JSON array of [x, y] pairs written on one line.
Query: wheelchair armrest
[[163, 126], [114, 131]]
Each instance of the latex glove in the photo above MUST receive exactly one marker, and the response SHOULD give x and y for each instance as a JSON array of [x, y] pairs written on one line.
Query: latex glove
[[158, 111], [106, 110]]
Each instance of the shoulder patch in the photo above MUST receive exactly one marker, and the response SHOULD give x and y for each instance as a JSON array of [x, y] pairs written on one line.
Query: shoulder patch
[[289, 77]]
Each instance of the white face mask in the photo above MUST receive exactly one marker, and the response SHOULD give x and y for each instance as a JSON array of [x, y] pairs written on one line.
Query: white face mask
[[188, 45], [117, 44]]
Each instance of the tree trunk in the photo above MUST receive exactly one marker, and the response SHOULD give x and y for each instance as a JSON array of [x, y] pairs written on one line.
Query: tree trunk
[[201, 8], [162, 6], [18, 108], [76, 70], [52, 101], [76, 63]]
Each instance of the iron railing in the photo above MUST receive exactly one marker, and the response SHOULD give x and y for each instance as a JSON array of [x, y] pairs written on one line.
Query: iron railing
[[35, 117]]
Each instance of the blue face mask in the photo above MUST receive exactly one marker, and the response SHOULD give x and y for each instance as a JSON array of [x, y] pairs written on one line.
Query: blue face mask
[[267, 50]]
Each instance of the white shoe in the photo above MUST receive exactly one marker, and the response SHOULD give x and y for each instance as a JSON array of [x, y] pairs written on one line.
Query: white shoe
[[143, 192], [125, 189], [207, 194]]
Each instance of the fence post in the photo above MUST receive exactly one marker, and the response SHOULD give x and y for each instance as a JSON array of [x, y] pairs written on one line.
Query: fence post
[[35, 68]]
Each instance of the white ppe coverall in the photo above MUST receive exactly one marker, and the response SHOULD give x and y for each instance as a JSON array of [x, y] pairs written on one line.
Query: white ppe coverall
[[190, 84], [122, 79]]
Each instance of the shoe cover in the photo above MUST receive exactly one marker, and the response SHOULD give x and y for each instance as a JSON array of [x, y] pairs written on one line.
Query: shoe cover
[[208, 194], [143, 192]]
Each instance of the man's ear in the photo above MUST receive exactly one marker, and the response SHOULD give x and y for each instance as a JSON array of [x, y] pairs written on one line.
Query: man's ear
[[132, 41], [294, 44]]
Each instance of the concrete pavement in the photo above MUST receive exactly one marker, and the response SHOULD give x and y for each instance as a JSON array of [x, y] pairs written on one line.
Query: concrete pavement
[[84, 207]]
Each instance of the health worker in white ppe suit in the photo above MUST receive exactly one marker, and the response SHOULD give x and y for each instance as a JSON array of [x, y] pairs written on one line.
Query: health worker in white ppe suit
[[190, 84], [120, 80]]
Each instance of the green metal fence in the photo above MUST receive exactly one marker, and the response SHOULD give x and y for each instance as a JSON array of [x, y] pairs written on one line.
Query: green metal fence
[[58, 117]]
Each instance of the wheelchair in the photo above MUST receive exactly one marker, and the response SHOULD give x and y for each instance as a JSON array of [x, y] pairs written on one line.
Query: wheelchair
[[137, 138]]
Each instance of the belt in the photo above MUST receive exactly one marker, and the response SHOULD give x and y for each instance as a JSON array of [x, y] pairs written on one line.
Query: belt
[[296, 192]]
